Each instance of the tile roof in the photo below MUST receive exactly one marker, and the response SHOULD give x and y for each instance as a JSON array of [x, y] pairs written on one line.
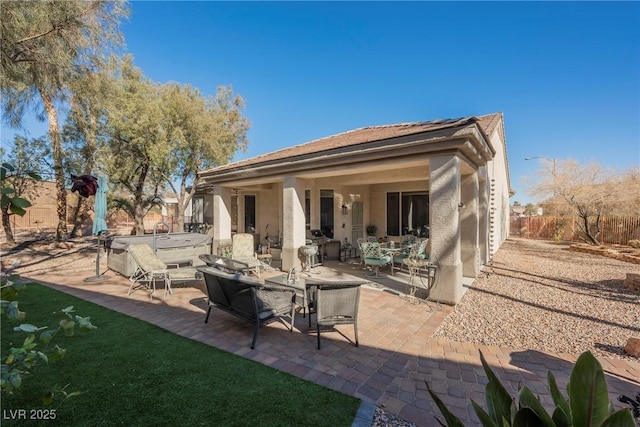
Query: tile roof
[[364, 135]]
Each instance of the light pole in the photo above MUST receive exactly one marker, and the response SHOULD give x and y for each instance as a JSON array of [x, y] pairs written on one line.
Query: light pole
[[552, 160]]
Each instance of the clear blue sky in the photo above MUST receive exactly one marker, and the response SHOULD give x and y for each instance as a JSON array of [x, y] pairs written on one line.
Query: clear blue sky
[[565, 75]]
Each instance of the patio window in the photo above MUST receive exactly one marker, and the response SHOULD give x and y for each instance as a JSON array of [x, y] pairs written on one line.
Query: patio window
[[307, 209], [408, 213], [197, 210], [249, 213]]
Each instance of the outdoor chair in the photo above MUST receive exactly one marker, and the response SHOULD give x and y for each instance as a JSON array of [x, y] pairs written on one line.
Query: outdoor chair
[[400, 256], [374, 258], [243, 250], [248, 299], [334, 303], [415, 254], [150, 268]]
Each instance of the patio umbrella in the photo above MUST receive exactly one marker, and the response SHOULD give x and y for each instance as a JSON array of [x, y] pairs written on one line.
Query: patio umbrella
[[100, 207], [100, 222]]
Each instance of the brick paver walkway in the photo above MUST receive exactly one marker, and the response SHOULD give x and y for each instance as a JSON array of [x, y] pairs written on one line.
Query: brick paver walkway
[[396, 358]]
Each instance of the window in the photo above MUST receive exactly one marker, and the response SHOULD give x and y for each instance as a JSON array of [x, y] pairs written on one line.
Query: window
[[197, 210], [307, 209], [326, 212], [408, 213], [249, 214], [393, 214]]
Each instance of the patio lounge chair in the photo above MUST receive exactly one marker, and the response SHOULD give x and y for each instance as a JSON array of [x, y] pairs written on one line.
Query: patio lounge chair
[[243, 250], [334, 303], [248, 299], [150, 268]]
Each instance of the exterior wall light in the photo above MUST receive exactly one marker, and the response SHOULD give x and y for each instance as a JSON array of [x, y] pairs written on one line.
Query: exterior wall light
[[344, 209]]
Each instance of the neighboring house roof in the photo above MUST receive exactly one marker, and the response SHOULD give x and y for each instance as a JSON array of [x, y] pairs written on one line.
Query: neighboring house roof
[[518, 210], [364, 135]]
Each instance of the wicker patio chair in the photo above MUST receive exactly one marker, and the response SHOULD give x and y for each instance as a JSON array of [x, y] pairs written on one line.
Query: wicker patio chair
[[150, 268], [334, 303]]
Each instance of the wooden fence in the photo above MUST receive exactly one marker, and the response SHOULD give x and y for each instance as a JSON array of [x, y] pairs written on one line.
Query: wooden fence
[[614, 229], [37, 219]]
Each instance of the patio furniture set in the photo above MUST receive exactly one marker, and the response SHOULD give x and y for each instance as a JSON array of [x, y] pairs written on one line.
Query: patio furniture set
[[411, 256], [333, 303], [231, 288]]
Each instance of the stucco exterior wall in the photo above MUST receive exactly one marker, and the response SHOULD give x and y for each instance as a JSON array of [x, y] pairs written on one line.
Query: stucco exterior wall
[[499, 195]]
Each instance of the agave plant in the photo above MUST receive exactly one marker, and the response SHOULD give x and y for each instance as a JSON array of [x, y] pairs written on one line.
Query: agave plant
[[587, 403]]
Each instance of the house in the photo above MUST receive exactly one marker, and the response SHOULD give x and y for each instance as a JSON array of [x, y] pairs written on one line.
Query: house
[[449, 177], [518, 211]]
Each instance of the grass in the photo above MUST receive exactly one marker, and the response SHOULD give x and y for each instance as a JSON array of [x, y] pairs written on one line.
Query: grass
[[136, 374]]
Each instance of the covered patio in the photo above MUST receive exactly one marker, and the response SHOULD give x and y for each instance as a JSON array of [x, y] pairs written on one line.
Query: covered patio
[[444, 179]]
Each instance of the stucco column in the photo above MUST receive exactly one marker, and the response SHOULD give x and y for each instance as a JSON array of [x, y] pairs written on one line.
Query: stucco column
[[293, 222], [444, 232], [470, 252], [221, 217], [483, 214]]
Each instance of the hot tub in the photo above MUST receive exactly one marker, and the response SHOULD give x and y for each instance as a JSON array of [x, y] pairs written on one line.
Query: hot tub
[[172, 248]]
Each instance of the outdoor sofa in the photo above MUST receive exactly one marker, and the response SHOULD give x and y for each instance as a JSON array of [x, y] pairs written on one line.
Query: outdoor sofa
[[246, 298]]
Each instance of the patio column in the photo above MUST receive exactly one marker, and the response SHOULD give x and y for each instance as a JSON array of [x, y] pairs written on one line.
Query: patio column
[[444, 216], [470, 252], [483, 214], [221, 217], [293, 222]]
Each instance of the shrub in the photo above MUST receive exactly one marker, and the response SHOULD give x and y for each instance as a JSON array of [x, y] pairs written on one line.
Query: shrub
[[587, 404], [634, 243], [18, 364]]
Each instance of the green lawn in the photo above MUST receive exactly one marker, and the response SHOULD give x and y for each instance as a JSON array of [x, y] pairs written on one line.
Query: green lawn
[[135, 374]]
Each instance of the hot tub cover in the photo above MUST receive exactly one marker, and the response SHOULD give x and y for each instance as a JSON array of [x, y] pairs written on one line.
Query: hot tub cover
[[173, 240]]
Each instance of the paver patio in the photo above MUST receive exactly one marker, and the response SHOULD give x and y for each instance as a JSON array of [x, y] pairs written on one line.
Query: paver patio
[[396, 358]]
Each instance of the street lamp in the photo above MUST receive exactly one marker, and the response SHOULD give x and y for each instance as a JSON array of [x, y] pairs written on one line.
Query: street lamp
[[552, 159]]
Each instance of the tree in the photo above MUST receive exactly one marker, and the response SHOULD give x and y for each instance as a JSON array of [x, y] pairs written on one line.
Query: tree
[[21, 172], [84, 132], [588, 191], [162, 135], [203, 133], [530, 209], [43, 46], [138, 147]]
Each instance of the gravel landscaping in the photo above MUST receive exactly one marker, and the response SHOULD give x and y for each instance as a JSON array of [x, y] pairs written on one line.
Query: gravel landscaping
[[540, 296]]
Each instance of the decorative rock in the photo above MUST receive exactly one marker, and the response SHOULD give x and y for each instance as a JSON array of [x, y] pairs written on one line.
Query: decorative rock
[[633, 347], [632, 282]]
